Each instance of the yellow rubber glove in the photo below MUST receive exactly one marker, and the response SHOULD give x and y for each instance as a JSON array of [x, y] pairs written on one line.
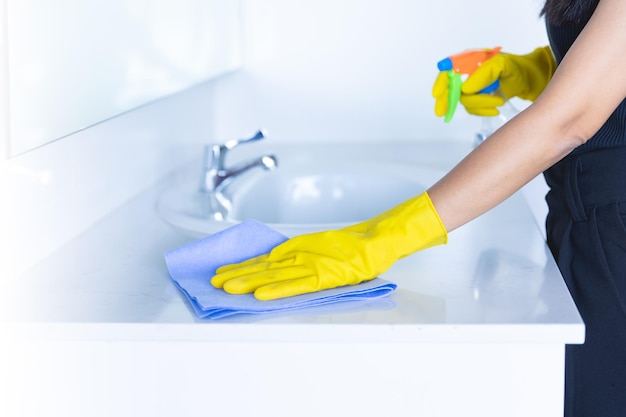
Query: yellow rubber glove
[[523, 76], [335, 258]]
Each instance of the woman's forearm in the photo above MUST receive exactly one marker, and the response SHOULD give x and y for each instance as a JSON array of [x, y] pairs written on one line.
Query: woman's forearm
[[496, 169], [586, 88]]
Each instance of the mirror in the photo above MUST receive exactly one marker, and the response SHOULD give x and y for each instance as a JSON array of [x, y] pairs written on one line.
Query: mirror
[[70, 64]]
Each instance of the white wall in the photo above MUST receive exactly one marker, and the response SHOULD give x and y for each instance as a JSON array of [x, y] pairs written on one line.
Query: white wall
[[361, 70], [71, 66], [4, 84]]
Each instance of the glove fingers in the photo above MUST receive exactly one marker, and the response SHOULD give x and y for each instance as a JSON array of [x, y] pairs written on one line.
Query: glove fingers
[[440, 93], [481, 100], [482, 104], [441, 106], [302, 285], [280, 253], [440, 87], [224, 270], [484, 112], [484, 76], [248, 283], [228, 272]]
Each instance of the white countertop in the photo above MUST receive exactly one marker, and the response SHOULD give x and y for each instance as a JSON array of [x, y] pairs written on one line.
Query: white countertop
[[494, 282]]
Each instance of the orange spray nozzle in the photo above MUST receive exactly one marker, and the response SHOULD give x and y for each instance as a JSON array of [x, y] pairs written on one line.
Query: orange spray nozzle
[[466, 62]]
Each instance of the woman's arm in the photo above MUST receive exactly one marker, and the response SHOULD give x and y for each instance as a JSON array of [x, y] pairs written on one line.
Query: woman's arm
[[584, 91], [586, 88]]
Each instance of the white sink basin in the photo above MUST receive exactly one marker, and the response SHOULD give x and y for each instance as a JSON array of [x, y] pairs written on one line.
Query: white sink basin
[[307, 192]]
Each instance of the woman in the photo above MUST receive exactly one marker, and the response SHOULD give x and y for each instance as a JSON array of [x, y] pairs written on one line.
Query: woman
[[575, 131]]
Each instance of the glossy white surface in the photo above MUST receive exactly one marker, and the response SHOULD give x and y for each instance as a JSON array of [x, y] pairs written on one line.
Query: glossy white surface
[[71, 66], [476, 327], [494, 282]]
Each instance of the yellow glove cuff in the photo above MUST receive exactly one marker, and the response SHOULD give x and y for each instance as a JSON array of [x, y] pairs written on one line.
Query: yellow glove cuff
[[405, 229], [424, 227]]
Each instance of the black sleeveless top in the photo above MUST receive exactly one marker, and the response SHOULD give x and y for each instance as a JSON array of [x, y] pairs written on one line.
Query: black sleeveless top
[[613, 132]]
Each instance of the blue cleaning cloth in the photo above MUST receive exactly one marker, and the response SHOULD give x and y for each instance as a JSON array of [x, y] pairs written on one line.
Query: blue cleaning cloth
[[191, 267]]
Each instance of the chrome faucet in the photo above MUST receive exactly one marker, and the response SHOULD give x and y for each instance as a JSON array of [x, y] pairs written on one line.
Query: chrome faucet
[[215, 176]]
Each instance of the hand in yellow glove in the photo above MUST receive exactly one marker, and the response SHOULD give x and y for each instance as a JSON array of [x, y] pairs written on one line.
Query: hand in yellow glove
[[335, 258], [523, 76]]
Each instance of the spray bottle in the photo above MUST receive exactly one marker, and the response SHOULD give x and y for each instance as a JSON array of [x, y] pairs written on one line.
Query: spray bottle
[[464, 64]]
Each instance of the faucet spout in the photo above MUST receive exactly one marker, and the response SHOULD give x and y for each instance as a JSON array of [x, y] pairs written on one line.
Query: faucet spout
[[266, 162], [215, 175]]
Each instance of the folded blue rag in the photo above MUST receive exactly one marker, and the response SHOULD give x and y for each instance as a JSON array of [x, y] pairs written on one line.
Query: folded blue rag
[[191, 267]]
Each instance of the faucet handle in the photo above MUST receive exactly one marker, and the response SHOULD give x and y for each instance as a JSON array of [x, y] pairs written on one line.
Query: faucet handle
[[260, 134]]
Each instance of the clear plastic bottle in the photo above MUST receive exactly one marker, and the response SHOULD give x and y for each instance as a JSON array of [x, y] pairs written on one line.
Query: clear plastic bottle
[[490, 124]]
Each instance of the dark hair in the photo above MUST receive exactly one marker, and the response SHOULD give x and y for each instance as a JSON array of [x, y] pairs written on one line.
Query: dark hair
[[558, 12]]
